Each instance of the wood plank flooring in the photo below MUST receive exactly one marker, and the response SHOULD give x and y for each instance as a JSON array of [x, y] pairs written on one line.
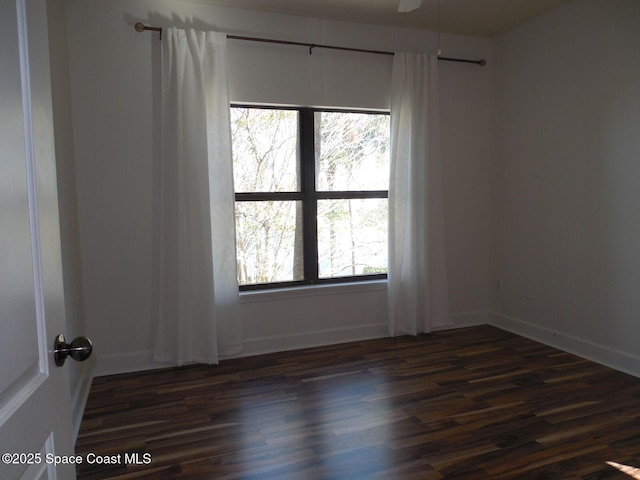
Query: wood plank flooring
[[476, 403]]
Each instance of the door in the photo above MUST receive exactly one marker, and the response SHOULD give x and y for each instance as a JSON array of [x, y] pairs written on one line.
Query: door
[[35, 412]]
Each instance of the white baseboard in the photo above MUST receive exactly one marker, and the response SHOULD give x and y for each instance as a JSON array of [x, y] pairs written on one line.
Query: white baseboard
[[115, 363], [108, 364], [281, 343], [111, 364], [602, 354], [469, 319], [258, 346]]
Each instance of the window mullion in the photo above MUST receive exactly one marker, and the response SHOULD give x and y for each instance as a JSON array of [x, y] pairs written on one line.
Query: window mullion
[[310, 206], [351, 194]]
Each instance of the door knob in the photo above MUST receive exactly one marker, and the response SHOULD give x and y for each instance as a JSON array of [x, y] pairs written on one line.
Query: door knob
[[79, 349]]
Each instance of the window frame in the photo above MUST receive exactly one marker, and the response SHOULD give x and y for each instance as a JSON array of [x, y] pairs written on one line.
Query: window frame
[[309, 197]]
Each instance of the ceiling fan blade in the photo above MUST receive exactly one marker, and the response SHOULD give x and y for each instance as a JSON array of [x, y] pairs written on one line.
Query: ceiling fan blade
[[405, 6]]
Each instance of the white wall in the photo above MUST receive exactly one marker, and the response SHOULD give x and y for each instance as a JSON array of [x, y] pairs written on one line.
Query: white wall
[[114, 82], [567, 177]]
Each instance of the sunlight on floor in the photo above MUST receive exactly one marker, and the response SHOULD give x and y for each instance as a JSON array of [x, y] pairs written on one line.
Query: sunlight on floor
[[631, 471]]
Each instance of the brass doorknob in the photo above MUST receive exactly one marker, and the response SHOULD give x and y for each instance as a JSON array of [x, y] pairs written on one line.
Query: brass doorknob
[[79, 349]]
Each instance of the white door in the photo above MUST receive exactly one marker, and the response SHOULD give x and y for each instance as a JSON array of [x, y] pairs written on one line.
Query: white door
[[35, 417]]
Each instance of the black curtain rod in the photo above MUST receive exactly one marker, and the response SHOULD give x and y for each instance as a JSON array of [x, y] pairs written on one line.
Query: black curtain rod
[[141, 27]]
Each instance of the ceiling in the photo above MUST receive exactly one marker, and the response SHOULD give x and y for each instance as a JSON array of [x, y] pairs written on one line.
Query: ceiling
[[484, 18]]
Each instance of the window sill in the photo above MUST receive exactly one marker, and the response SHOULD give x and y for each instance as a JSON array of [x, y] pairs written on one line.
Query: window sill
[[312, 291]]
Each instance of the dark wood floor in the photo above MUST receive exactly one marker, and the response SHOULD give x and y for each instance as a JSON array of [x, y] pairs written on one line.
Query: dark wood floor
[[476, 403]]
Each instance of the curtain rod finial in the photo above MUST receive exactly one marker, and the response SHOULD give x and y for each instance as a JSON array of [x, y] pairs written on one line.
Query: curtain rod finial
[[140, 27]]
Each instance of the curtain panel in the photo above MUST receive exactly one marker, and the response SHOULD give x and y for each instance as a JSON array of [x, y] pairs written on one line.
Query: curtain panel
[[197, 293], [417, 279]]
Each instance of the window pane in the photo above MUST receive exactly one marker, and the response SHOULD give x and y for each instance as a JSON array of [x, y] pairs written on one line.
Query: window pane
[[352, 237], [269, 242], [352, 151], [265, 150]]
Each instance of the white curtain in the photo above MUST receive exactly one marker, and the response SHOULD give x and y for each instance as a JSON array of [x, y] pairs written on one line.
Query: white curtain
[[418, 293], [198, 292]]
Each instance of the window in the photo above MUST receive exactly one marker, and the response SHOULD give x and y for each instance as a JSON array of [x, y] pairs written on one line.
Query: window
[[311, 195]]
